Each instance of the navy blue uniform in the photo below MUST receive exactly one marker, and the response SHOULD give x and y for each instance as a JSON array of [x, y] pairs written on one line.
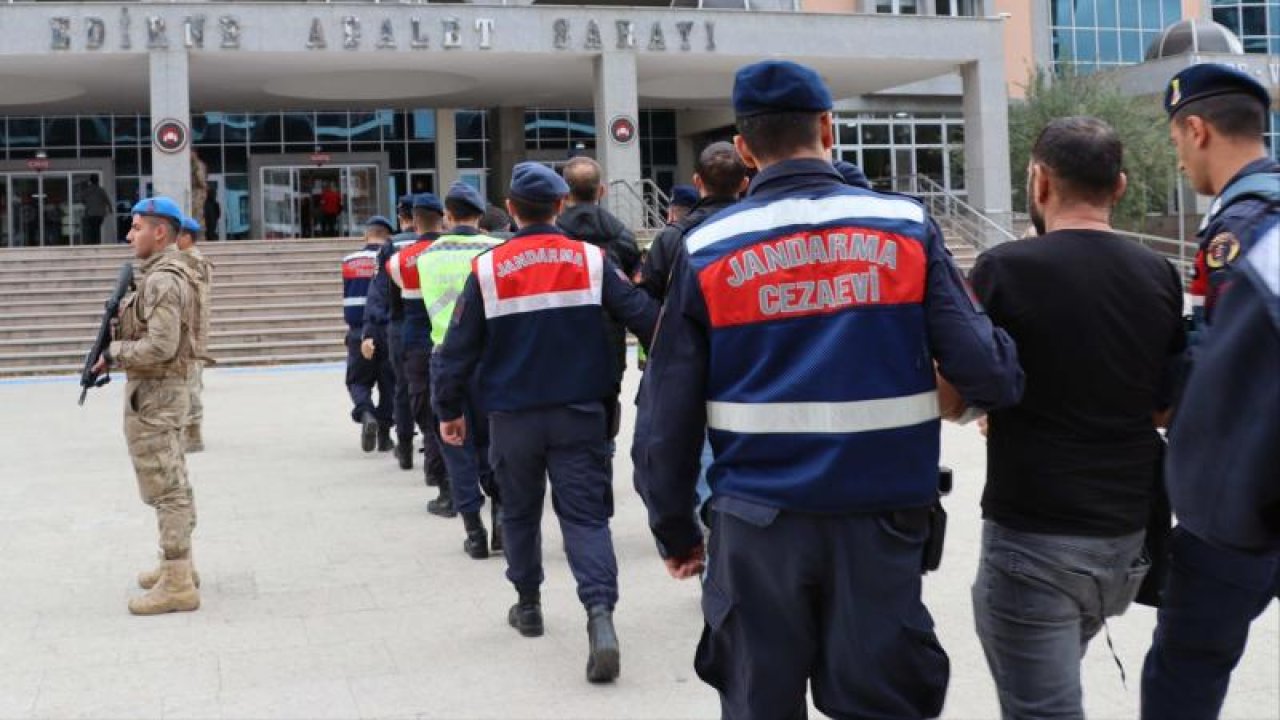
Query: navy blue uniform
[[802, 327], [384, 311], [1223, 478], [415, 344], [358, 270], [530, 313]]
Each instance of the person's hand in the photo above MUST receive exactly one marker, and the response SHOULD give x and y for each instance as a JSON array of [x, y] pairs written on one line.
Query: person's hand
[[100, 366], [950, 405], [454, 432], [982, 425], [691, 565], [368, 348]]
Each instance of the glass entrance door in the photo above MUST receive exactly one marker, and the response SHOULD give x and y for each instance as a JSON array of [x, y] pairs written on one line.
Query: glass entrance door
[[310, 202], [47, 208]]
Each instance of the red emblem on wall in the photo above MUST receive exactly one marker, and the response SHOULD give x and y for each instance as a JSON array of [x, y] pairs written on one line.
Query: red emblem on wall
[[622, 129], [170, 136]]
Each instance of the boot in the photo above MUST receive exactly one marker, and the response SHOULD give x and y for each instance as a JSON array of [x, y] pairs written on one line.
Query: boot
[[443, 505], [526, 615], [175, 592], [385, 443], [477, 543], [604, 661], [368, 431], [192, 441], [495, 515], [404, 452], [147, 579]]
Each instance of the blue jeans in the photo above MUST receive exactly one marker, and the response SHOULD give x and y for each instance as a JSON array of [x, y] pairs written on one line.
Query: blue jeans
[[1037, 602], [1213, 595]]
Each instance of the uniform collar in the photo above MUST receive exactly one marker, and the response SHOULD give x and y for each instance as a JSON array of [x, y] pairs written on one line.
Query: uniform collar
[[155, 258], [537, 230], [780, 176], [428, 236], [1261, 165], [463, 230], [374, 246]]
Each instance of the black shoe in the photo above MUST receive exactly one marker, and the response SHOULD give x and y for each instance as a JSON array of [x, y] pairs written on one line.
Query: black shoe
[[385, 443], [477, 544], [604, 660], [526, 618], [368, 431], [495, 515], [404, 453], [443, 505], [431, 480]]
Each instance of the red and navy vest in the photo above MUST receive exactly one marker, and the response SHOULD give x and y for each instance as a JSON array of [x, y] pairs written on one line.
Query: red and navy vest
[[358, 270], [403, 269], [821, 390], [545, 343]]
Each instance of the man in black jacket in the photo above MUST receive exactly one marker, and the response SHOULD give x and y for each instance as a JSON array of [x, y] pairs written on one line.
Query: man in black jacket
[[719, 177]]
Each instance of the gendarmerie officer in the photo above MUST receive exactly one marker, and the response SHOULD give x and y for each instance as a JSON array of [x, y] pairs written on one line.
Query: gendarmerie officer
[[1222, 471], [383, 311], [366, 375], [415, 339], [443, 271], [530, 315], [801, 329]]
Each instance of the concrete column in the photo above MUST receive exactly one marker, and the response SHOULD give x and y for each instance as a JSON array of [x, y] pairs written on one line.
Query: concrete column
[[616, 96], [986, 137], [171, 100], [446, 149], [1041, 35], [508, 149]]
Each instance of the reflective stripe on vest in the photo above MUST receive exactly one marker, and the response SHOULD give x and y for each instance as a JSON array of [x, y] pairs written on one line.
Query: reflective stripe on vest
[[360, 265], [354, 301], [823, 418], [403, 267], [560, 274], [443, 271]]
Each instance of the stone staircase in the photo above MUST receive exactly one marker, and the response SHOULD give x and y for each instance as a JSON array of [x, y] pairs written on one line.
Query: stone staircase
[[273, 302]]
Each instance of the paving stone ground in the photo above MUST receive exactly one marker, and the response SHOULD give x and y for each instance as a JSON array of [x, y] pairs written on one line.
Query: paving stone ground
[[330, 593]]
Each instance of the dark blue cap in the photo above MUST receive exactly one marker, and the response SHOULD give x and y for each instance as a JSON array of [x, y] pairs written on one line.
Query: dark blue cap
[[404, 205], [463, 192], [378, 220], [428, 201], [684, 195], [535, 182], [190, 225], [852, 174], [775, 86], [160, 207], [1210, 80]]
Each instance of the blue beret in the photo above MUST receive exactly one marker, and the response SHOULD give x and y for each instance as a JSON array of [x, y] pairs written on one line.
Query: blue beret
[[684, 195], [377, 220], [535, 182], [405, 204], [852, 174], [465, 193], [160, 207], [1209, 80], [190, 225], [428, 201], [775, 86]]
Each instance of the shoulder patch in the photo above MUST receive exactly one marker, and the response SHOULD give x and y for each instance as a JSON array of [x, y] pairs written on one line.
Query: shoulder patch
[[1221, 250]]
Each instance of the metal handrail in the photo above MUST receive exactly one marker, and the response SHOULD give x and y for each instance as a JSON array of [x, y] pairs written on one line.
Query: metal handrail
[[953, 213], [647, 195]]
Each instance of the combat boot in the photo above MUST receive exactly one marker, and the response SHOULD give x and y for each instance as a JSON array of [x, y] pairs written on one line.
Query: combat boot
[[175, 592], [495, 514], [368, 431], [477, 543], [404, 452], [192, 440], [526, 615], [443, 505], [385, 444], [147, 579], [604, 660]]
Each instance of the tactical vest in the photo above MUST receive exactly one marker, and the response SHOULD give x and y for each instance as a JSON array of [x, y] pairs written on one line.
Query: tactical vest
[[133, 326], [443, 271], [203, 269]]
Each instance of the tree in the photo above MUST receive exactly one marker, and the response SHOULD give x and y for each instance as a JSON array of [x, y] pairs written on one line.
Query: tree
[[1149, 159]]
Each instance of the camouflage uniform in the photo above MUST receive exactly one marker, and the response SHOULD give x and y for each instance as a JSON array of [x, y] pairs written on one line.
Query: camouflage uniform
[[203, 269], [154, 347]]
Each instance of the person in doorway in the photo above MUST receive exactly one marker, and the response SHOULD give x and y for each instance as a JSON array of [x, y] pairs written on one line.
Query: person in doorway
[[97, 205], [330, 209], [212, 214]]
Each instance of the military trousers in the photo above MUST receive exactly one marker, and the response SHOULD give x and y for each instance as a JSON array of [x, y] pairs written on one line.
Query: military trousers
[[363, 376], [833, 601], [417, 368], [569, 445], [468, 464], [195, 388], [154, 413], [402, 414]]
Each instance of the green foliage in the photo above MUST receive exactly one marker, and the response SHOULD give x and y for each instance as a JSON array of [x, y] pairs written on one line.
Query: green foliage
[[1149, 158]]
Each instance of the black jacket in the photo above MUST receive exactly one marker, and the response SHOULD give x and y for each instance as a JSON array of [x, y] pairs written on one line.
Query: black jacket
[[595, 225], [663, 250]]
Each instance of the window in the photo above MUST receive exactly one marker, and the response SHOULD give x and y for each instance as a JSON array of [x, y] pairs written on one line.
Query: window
[[890, 147], [1089, 35], [1256, 22]]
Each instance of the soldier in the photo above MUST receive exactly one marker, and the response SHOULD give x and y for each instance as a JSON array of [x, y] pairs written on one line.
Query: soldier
[[683, 198], [363, 375], [192, 438], [155, 347]]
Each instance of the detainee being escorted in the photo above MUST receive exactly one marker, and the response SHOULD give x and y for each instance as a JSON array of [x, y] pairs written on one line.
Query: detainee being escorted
[[192, 435], [801, 331], [155, 347], [1072, 469]]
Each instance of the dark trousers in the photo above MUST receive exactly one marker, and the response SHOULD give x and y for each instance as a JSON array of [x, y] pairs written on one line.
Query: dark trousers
[[468, 464], [1213, 595], [417, 366], [828, 600], [93, 229], [569, 444], [364, 375], [401, 410]]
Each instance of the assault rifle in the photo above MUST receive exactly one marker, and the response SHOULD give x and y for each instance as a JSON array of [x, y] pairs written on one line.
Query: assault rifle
[[89, 378]]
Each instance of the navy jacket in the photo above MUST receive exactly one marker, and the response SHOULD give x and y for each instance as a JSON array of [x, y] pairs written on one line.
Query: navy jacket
[[415, 325], [531, 313], [801, 329], [358, 270], [384, 305], [670, 243]]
